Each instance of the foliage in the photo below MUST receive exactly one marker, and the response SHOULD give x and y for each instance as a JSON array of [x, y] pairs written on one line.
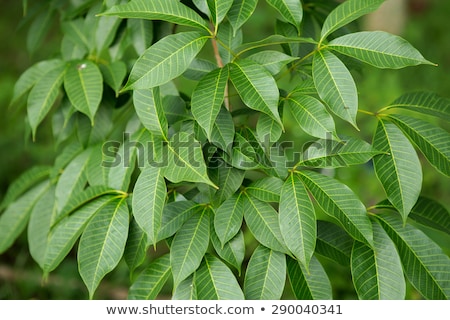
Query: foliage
[[208, 172]]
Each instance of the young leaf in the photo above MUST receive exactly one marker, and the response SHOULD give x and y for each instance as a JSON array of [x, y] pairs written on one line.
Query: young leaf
[[102, 243], [272, 60], [335, 85], [424, 263], [399, 169], [149, 108], [379, 49], [291, 10], [232, 252], [136, 247], [377, 273], [297, 219], [175, 214], [265, 275], [338, 200], [165, 60], [240, 12], [334, 243], [150, 282], [228, 218], [267, 189], [219, 9]]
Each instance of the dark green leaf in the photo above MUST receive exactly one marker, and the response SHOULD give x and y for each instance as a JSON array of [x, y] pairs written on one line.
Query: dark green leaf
[[334, 243], [136, 247], [233, 251], [228, 218], [267, 189], [175, 214]]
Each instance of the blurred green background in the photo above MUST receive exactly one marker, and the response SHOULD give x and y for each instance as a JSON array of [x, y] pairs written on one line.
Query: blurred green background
[[426, 27]]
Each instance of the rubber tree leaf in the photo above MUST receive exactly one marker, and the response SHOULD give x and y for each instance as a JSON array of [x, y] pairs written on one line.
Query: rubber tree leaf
[[431, 140], [297, 219], [149, 197], [189, 246], [256, 87], [39, 28], [141, 33], [377, 273], [207, 98], [290, 10], [311, 115], [135, 248], [240, 12], [272, 40], [335, 85], [399, 169], [150, 110], [102, 243], [424, 263], [267, 189], [272, 60], [150, 282], [186, 290], [347, 12], [227, 41], [432, 214], [113, 74], [232, 252], [265, 275], [77, 32], [312, 285], [83, 82], [228, 179], [218, 10], [198, 69], [215, 281], [379, 49], [340, 202], [228, 218], [333, 243], [223, 130], [167, 10], [268, 130], [175, 214], [165, 60]]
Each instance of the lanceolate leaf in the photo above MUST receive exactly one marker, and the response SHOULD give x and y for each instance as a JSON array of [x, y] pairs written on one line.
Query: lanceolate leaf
[[378, 48], [291, 10], [149, 108], [240, 12], [339, 201], [272, 60], [175, 214], [432, 214], [114, 74], [228, 179], [432, 141], [268, 130], [297, 219], [165, 60], [166, 10], [377, 273], [232, 252], [333, 242], [347, 12], [335, 85], [141, 32], [102, 243], [424, 263], [186, 290], [136, 247], [222, 133], [219, 9], [399, 170], [228, 218], [267, 189]]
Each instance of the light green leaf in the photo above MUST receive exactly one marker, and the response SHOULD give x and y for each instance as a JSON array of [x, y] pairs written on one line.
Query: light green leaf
[[333, 243], [75, 30], [424, 263], [338, 201], [335, 85], [267, 189], [377, 273], [207, 98], [141, 33], [150, 110], [102, 243], [232, 252], [136, 247], [222, 134], [379, 49], [228, 41], [274, 39], [167, 10], [186, 290], [175, 214], [268, 130], [272, 60], [256, 87], [105, 31], [228, 218], [218, 10], [150, 282], [240, 12], [165, 60], [431, 140], [311, 115], [265, 275], [149, 197], [399, 170], [297, 219], [312, 285], [347, 12], [39, 28], [198, 69], [291, 10], [189, 246], [114, 73], [215, 281]]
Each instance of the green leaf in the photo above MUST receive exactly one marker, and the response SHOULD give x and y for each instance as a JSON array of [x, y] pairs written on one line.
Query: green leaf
[[175, 214], [232, 252], [76, 31], [149, 197], [272, 60], [379, 49], [424, 263], [114, 73], [291, 10], [240, 12], [377, 273], [334, 243], [222, 134], [267, 189], [335, 85], [312, 285], [423, 102], [185, 160], [227, 42], [270, 41], [39, 29], [198, 69], [83, 82], [141, 33], [102, 243], [265, 275], [431, 140], [297, 219], [228, 218], [347, 12], [186, 290], [227, 178], [189, 246], [338, 201], [136, 247], [256, 87], [262, 221], [399, 170], [43, 95], [150, 110], [311, 115], [215, 281], [165, 60], [268, 130], [167, 10], [207, 98], [432, 214], [150, 282], [219, 9]]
